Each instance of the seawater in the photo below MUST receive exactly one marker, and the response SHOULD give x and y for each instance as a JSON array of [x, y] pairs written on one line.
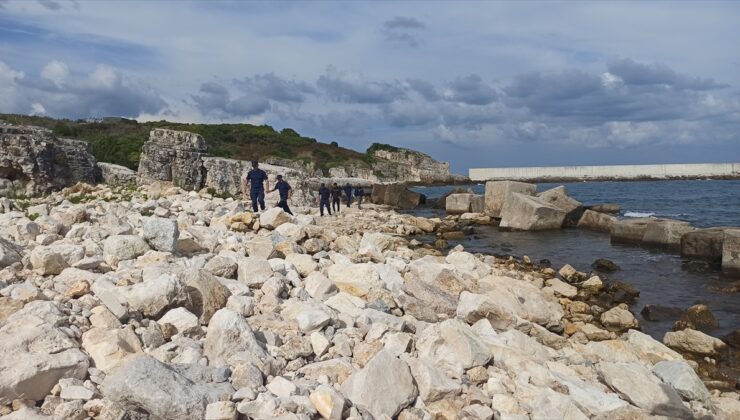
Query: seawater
[[662, 278]]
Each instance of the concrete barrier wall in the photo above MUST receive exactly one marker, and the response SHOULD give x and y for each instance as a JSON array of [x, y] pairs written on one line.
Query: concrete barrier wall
[[626, 172]]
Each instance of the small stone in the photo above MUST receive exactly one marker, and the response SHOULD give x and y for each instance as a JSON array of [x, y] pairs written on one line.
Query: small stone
[[328, 402], [221, 410]]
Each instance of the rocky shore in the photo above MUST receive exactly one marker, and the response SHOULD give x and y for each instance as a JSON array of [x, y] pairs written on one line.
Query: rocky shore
[[158, 303]]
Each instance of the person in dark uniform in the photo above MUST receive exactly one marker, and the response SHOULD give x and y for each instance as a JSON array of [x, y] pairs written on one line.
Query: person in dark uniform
[[359, 193], [257, 182], [285, 191], [336, 197], [324, 194], [348, 193]]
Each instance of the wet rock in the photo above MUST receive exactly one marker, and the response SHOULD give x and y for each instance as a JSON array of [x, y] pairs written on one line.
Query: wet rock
[[383, 387], [660, 312], [596, 221], [604, 265], [731, 253], [630, 230], [666, 233], [697, 317], [523, 212], [703, 244]]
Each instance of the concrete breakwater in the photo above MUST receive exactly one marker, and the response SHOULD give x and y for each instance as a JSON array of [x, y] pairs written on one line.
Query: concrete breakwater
[[608, 172]]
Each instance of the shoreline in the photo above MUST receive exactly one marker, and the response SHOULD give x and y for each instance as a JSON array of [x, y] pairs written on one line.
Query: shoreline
[[318, 309]]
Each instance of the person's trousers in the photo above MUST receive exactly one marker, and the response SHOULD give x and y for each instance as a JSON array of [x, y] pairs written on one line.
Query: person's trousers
[[349, 200], [335, 205], [257, 196], [359, 202], [322, 204], [283, 204]]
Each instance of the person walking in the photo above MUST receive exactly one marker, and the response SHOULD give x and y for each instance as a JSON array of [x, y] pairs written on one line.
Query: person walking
[[348, 194], [324, 194], [359, 194], [257, 182], [285, 191], [336, 197]]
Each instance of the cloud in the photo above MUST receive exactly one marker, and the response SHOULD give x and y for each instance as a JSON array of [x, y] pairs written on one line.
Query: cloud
[[403, 30], [471, 89], [102, 92], [634, 73], [55, 71], [353, 87], [275, 88], [216, 100]]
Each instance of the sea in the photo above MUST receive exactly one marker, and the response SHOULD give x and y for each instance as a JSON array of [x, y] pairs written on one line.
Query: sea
[[663, 278]]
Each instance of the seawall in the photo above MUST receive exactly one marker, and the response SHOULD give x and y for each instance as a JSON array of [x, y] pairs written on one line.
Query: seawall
[[608, 172]]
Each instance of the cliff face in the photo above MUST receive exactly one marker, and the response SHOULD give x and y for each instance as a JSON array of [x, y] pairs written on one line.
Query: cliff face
[[34, 161], [403, 165]]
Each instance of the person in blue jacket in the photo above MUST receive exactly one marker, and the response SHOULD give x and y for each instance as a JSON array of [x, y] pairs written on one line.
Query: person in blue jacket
[[348, 193], [359, 193], [258, 183], [285, 191], [324, 194]]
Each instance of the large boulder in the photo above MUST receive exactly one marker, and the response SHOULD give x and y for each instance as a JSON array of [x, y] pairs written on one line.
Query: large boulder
[[145, 384], [383, 387], [355, 279], [205, 294], [703, 244], [161, 233], [110, 347], [731, 253], [643, 389], [174, 156], [123, 247], [692, 341], [9, 253], [559, 198], [37, 354], [274, 217], [679, 375], [594, 220], [116, 175], [458, 203], [453, 346], [230, 341], [523, 212], [666, 233], [396, 195], [630, 230], [152, 297], [498, 192]]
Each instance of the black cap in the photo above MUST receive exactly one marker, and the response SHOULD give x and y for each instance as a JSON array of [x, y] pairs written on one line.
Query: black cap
[[279, 177]]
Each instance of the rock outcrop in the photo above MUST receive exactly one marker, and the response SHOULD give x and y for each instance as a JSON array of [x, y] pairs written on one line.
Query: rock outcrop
[[34, 161], [174, 156], [404, 165], [116, 175]]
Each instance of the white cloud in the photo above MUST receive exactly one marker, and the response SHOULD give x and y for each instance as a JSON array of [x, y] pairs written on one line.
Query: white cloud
[[55, 71]]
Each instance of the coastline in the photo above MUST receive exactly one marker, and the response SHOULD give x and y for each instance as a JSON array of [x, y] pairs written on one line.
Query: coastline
[[322, 307]]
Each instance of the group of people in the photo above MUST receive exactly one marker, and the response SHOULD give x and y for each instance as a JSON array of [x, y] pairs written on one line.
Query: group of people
[[257, 182]]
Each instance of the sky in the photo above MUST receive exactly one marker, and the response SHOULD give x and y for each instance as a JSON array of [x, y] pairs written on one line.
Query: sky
[[478, 84]]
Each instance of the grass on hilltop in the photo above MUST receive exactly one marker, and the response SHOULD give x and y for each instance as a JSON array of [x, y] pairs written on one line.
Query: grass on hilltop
[[119, 141]]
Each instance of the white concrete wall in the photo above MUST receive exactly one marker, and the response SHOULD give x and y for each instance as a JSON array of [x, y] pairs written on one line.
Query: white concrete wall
[[694, 170]]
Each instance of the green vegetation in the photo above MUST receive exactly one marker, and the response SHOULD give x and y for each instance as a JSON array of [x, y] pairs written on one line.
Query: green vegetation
[[33, 216], [119, 140], [380, 146]]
